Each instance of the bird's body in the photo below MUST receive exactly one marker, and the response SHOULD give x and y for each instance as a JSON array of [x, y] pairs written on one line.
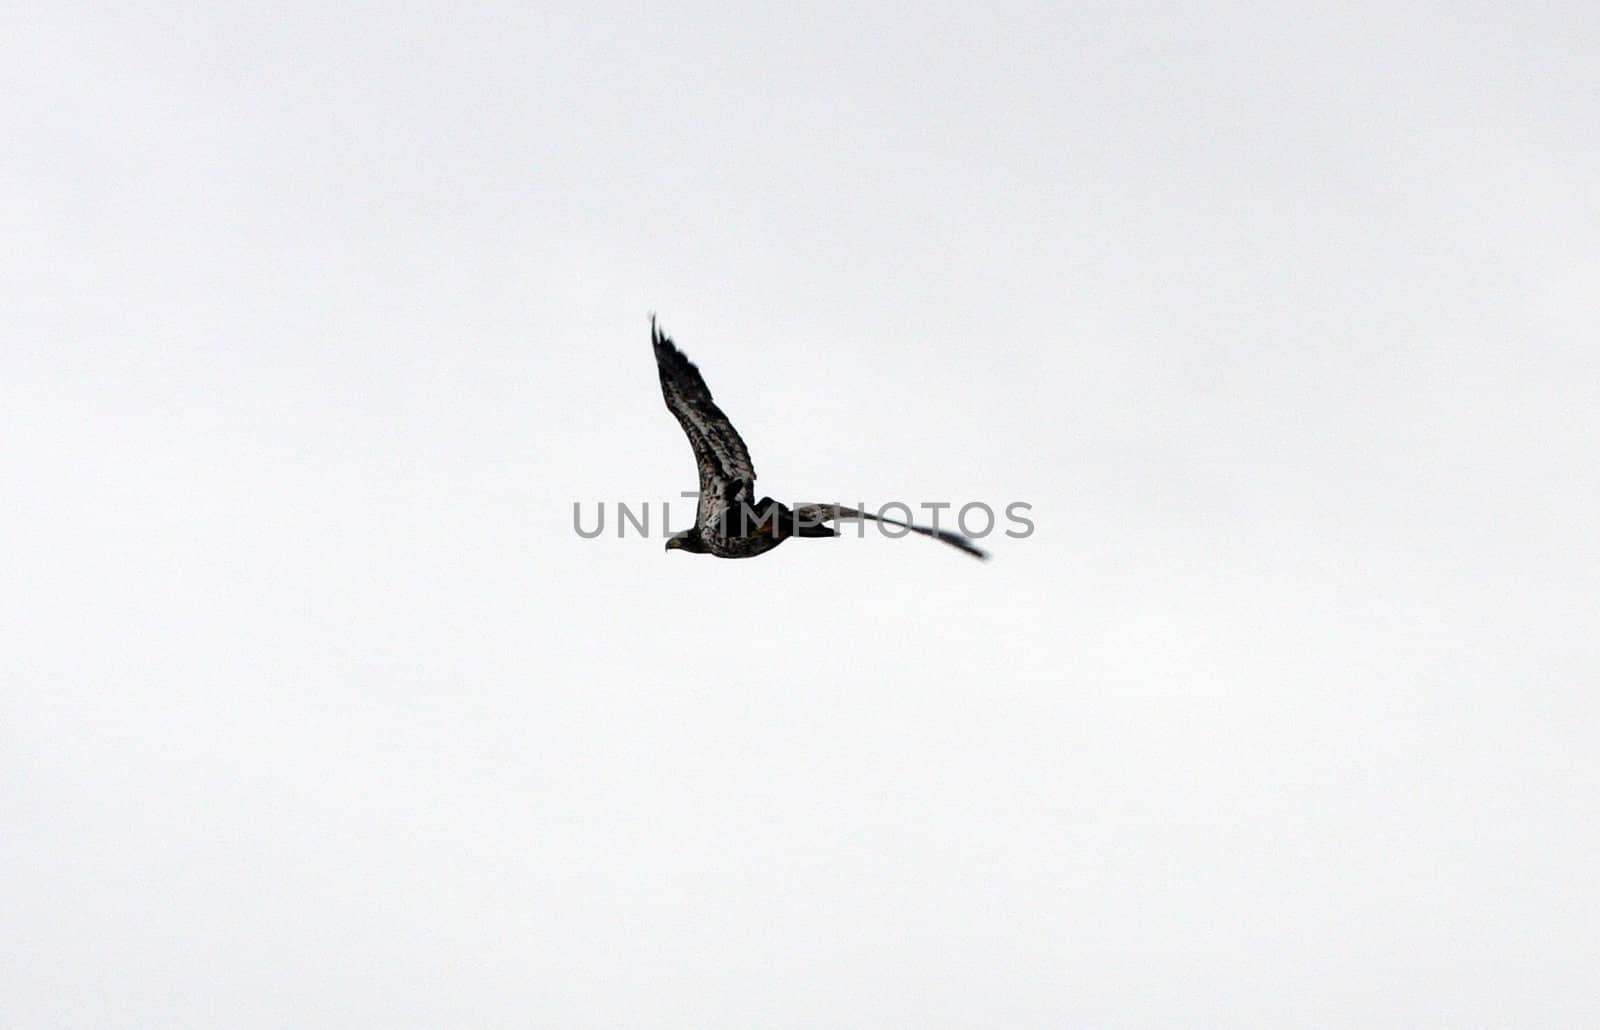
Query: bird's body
[[730, 521], [744, 532]]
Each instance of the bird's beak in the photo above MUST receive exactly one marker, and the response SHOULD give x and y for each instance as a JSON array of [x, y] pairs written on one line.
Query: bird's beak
[[673, 543]]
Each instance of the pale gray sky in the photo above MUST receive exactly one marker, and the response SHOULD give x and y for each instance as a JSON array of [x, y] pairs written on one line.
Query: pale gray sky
[[319, 318]]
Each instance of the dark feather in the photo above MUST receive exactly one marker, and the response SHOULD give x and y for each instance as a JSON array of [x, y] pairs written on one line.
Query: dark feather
[[726, 471], [810, 513]]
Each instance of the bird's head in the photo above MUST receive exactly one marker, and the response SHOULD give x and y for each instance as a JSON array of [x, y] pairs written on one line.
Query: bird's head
[[686, 541]]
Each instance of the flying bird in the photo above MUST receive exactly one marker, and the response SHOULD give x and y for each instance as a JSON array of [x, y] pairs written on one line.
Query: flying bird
[[729, 521]]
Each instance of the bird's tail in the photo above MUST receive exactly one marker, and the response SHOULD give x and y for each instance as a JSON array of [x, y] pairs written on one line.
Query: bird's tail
[[812, 514]]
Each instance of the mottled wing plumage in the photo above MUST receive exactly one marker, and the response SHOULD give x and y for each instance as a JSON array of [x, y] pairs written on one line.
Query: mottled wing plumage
[[726, 472], [816, 513]]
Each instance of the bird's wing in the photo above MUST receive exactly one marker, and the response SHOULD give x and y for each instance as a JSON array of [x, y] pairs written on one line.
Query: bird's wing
[[726, 473], [818, 513]]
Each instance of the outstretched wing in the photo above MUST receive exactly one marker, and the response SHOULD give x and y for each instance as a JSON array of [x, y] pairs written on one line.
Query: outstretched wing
[[818, 513], [726, 473]]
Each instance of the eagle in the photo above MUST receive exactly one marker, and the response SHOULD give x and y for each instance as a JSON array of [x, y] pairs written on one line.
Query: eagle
[[729, 521]]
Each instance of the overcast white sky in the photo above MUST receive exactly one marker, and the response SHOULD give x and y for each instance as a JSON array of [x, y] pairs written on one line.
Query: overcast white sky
[[316, 712]]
